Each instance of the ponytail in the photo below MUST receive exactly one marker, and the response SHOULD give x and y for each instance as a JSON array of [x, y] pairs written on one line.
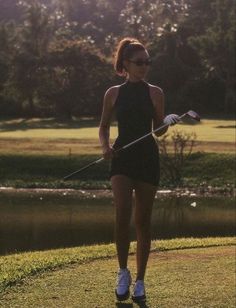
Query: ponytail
[[125, 50]]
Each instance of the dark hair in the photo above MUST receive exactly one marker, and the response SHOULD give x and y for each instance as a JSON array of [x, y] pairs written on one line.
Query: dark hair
[[125, 50]]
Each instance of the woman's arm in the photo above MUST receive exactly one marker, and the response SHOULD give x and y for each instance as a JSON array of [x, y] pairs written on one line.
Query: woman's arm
[[104, 128], [157, 97]]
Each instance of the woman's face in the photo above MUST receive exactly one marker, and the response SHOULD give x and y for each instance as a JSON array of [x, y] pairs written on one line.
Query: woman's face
[[138, 65]]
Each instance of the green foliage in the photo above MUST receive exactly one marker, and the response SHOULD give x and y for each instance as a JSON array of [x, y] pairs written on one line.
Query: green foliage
[[78, 73], [175, 64], [172, 162], [201, 169], [217, 47], [218, 169], [56, 58]]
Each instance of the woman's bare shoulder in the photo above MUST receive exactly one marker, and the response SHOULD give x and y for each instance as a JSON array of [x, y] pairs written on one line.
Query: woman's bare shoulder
[[112, 91], [155, 90], [111, 96]]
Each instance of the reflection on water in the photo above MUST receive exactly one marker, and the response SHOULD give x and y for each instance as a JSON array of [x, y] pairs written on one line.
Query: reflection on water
[[33, 221]]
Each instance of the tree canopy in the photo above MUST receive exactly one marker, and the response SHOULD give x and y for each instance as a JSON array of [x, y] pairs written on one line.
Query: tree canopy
[[56, 56]]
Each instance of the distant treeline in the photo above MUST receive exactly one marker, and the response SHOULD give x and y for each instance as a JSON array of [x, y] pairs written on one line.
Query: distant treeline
[[56, 55]]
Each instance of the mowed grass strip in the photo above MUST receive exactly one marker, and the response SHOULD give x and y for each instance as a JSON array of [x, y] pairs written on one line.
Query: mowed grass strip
[[206, 130], [52, 147], [78, 137], [202, 277], [71, 147], [15, 267]]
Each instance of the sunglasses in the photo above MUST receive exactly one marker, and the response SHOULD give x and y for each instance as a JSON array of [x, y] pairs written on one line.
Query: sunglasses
[[141, 62]]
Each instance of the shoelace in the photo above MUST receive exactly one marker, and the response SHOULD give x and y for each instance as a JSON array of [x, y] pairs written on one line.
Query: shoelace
[[139, 289], [123, 278]]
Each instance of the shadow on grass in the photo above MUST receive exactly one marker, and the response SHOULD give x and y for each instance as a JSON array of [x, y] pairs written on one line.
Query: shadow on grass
[[226, 126], [37, 123], [124, 305], [130, 305]]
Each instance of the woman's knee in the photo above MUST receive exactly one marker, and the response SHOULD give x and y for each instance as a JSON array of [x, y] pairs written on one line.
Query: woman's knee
[[143, 226], [143, 217], [122, 223]]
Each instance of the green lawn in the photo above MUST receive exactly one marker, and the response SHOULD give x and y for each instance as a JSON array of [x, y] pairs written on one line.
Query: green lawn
[[207, 130], [16, 267], [212, 130], [48, 137], [40, 152], [37, 171], [181, 273]]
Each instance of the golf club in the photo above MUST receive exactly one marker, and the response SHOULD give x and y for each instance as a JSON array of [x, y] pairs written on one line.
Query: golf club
[[190, 115]]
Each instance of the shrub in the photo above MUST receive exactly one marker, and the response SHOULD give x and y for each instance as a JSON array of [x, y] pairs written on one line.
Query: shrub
[[173, 157]]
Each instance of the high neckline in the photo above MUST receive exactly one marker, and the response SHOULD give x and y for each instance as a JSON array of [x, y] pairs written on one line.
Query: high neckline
[[135, 82]]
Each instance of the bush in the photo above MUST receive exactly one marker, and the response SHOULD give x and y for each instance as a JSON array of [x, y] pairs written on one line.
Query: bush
[[173, 158]]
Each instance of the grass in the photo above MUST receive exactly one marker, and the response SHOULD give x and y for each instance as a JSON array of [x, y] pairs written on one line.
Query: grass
[[72, 147], [15, 267], [212, 130], [170, 282], [40, 152], [48, 137], [173, 281], [214, 169], [207, 130], [35, 171]]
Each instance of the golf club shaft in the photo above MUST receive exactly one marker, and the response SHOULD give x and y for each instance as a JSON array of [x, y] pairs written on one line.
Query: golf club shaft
[[120, 149], [141, 138], [84, 168]]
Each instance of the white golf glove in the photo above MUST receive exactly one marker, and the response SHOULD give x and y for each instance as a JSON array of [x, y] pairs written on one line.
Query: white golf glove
[[171, 119]]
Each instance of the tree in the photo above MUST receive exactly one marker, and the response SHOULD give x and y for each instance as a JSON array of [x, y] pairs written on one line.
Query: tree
[[217, 48], [32, 44], [147, 20], [6, 32], [78, 75], [175, 64], [8, 103], [10, 10], [57, 55], [95, 21]]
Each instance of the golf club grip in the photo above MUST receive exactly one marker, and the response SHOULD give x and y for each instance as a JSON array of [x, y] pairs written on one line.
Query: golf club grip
[[143, 137]]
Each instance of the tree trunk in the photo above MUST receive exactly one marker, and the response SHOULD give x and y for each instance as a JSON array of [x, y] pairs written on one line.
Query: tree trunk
[[229, 95], [31, 111]]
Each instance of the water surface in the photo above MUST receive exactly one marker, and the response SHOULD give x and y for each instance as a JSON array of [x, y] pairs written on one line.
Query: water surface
[[41, 220]]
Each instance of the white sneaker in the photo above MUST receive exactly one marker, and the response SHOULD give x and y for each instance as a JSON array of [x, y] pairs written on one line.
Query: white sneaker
[[139, 291], [123, 284]]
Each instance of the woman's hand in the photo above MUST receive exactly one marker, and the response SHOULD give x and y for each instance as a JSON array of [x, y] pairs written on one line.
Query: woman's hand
[[171, 119], [108, 152]]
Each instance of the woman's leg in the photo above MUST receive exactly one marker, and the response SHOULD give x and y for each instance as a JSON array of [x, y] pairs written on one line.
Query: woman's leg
[[122, 188], [144, 198]]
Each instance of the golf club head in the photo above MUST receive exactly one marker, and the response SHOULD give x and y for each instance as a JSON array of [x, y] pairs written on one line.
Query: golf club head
[[191, 117], [192, 114]]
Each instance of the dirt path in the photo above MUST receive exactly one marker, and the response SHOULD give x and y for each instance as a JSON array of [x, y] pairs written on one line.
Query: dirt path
[[185, 278]]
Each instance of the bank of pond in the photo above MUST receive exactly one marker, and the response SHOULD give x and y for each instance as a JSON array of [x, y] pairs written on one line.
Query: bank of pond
[[41, 219]]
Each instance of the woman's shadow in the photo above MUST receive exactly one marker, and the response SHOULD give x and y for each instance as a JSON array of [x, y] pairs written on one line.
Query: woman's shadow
[[130, 305]]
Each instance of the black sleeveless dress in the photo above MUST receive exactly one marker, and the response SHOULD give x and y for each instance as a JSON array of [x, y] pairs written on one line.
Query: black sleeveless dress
[[134, 112]]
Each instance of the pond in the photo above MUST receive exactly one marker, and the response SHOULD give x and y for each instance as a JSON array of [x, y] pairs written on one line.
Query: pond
[[38, 220]]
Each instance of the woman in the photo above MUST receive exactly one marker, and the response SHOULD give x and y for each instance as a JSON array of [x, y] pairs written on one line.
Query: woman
[[138, 107]]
